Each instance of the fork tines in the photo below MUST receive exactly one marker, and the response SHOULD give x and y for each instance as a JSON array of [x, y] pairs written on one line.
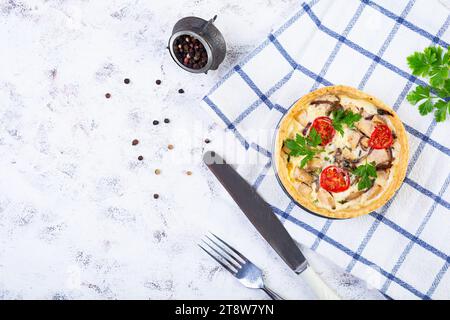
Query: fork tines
[[223, 253]]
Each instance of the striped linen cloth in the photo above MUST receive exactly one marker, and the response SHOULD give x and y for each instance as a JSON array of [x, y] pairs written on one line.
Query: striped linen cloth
[[403, 248]]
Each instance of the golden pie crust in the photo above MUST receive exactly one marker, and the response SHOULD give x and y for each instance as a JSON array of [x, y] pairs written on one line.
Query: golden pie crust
[[399, 167]]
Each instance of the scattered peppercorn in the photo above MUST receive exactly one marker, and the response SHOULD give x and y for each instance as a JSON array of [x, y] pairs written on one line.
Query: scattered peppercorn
[[135, 142], [166, 120], [156, 196], [190, 52], [189, 173], [155, 122], [126, 81], [207, 140], [157, 171], [180, 91], [140, 158], [170, 146], [158, 82], [108, 95]]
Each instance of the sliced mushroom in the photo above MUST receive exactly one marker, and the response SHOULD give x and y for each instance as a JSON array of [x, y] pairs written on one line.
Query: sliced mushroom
[[374, 191], [302, 176], [326, 198], [336, 106], [302, 118], [365, 126], [327, 99], [304, 189], [338, 156], [305, 130], [383, 112], [384, 166]]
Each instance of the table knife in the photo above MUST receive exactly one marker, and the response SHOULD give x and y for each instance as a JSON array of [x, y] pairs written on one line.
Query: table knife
[[261, 215]]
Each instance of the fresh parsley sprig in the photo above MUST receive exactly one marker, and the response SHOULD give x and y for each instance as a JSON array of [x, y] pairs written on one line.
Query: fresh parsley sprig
[[367, 173], [341, 117], [432, 63], [304, 146]]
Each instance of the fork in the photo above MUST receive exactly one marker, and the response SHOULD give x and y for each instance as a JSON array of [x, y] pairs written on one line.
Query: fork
[[239, 266]]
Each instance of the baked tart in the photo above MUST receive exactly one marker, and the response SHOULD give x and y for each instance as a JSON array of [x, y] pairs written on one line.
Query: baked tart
[[340, 152]]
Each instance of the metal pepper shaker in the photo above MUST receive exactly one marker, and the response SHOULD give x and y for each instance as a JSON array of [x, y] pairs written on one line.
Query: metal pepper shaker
[[209, 36]]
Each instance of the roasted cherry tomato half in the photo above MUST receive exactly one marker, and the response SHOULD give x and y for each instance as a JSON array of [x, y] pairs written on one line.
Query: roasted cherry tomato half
[[324, 127], [334, 179], [381, 137]]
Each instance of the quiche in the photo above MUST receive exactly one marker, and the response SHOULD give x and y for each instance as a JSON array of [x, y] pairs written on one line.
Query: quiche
[[340, 152]]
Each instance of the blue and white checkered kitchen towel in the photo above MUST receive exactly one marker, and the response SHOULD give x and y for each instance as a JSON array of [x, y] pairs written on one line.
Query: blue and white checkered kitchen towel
[[403, 248]]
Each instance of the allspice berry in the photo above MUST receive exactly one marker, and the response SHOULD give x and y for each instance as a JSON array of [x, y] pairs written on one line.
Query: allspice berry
[[135, 142], [170, 146], [157, 171], [140, 158], [189, 173]]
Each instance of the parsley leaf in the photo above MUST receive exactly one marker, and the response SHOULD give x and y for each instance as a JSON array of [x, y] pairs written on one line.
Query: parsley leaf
[[421, 63], [314, 138], [341, 117], [367, 173], [305, 147], [433, 63], [441, 110], [418, 94], [426, 107]]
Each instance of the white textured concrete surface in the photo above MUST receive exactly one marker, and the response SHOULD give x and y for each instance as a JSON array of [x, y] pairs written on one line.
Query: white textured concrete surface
[[77, 215]]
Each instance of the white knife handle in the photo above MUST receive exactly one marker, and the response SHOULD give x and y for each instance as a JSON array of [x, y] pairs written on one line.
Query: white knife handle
[[320, 288]]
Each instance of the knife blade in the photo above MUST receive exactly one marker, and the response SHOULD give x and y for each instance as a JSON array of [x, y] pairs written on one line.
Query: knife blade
[[261, 215], [257, 211]]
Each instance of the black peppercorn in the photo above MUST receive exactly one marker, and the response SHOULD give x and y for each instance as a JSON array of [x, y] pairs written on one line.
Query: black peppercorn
[[155, 122], [126, 81], [190, 52], [156, 196], [135, 142], [140, 158], [166, 120], [158, 82], [180, 91]]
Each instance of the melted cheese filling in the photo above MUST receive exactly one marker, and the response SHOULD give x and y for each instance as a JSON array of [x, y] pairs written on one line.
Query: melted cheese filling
[[349, 149]]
